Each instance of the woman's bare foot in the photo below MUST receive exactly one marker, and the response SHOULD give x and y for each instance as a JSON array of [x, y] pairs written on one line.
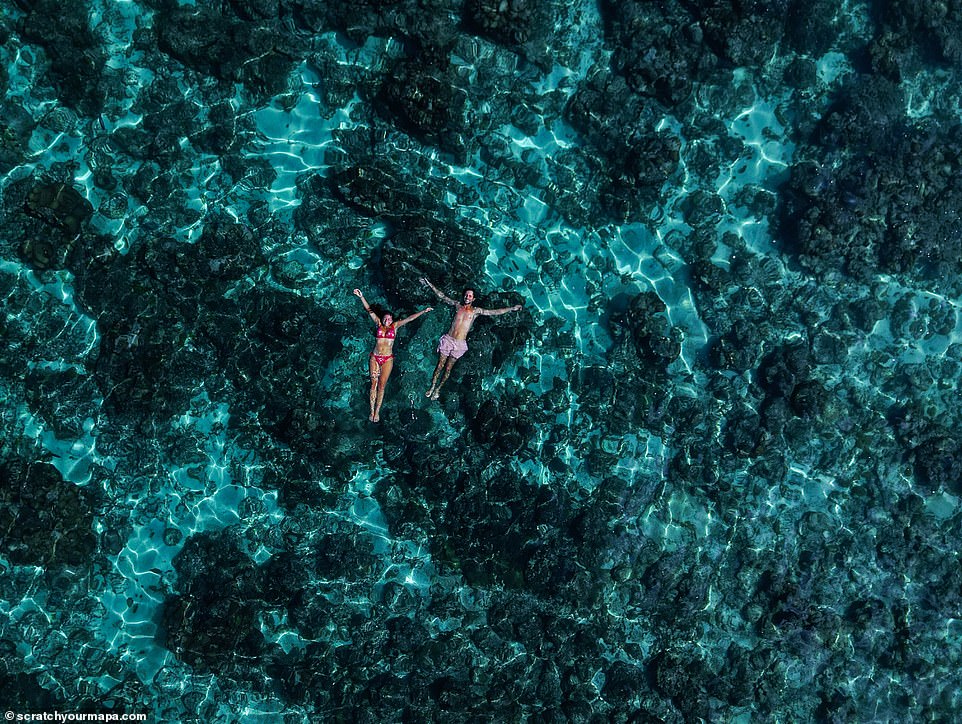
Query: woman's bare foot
[[437, 393], [429, 394], [376, 418]]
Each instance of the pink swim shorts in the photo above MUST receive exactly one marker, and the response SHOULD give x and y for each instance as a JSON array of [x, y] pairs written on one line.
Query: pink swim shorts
[[451, 347]]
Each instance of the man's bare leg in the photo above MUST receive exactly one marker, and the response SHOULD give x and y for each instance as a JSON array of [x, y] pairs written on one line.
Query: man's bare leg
[[447, 373], [431, 393]]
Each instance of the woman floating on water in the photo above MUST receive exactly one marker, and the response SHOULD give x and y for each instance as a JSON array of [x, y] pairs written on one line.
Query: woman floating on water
[[382, 357]]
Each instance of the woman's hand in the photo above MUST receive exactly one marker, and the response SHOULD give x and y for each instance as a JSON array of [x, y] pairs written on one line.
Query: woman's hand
[[357, 293], [428, 309]]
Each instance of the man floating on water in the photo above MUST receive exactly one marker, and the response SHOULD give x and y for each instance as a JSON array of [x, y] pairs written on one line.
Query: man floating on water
[[453, 345]]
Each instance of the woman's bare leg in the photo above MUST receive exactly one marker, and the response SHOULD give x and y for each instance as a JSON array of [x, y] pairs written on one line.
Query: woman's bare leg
[[375, 370], [382, 381]]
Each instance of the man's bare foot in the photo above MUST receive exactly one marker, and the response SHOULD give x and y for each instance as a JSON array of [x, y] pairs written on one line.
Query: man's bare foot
[[371, 417], [376, 418]]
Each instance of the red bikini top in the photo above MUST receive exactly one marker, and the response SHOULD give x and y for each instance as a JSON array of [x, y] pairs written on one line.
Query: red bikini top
[[385, 332]]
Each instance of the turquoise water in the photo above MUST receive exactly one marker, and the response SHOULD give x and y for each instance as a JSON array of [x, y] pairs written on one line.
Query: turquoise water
[[201, 523]]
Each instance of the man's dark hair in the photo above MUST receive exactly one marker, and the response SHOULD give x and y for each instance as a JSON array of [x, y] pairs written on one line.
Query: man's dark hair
[[469, 289]]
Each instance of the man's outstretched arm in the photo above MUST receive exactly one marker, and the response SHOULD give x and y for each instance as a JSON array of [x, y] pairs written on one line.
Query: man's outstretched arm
[[441, 295], [496, 312]]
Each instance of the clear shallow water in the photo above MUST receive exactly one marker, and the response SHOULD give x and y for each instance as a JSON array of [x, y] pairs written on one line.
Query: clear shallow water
[[200, 471]]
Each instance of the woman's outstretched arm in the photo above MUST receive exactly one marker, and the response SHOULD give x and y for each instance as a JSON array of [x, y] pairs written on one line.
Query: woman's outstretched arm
[[413, 316], [367, 307]]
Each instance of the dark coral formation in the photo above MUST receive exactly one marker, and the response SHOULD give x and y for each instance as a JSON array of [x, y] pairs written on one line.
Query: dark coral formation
[[910, 36], [48, 522], [425, 101], [52, 221], [76, 53], [522, 25], [620, 126], [660, 49], [884, 204], [249, 46]]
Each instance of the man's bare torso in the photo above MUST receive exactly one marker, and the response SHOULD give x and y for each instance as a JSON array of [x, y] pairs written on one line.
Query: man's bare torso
[[463, 319]]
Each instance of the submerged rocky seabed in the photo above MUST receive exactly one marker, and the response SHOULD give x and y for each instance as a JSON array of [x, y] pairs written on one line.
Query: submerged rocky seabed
[[710, 471]]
